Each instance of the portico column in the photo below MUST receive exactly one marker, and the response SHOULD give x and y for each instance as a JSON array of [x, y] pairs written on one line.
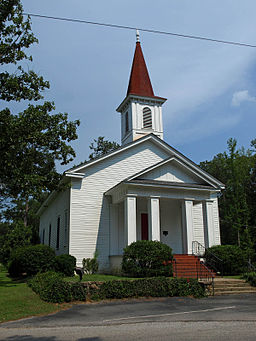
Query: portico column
[[188, 225], [129, 219], [154, 218], [209, 222]]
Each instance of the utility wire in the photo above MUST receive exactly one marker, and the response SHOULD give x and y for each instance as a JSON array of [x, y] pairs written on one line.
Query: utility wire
[[141, 29]]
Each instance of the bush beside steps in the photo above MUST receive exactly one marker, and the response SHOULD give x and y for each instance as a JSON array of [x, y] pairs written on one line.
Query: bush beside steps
[[51, 287]]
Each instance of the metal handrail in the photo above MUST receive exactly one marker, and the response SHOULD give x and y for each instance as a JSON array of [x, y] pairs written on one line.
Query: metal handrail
[[210, 274], [175, 266], [196, 247]]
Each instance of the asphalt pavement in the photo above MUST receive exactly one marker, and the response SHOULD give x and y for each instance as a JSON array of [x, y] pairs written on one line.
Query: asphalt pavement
[[214, 318]]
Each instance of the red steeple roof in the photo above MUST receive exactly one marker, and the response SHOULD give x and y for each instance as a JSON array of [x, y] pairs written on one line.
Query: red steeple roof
[[139, 83]]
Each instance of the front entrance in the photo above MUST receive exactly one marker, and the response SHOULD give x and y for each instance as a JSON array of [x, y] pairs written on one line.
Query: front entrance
[[144, 226]]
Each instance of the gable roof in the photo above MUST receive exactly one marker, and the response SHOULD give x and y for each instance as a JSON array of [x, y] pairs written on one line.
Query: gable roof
[[187, 166], [162, 144]]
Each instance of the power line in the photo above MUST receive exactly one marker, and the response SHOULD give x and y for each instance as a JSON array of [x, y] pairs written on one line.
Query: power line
[[142, 29]]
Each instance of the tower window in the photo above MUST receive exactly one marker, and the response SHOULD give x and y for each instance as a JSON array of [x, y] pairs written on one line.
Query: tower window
[[147, 118], [126, 122]]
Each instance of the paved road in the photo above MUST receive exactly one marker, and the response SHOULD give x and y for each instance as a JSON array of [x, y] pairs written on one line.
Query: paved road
[[213, 318]]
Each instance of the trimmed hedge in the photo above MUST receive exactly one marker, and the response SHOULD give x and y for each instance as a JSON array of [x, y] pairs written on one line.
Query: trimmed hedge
[[51, 287], [31, 260], [147, 258], [146, 287], [234, 258], [65, 264]]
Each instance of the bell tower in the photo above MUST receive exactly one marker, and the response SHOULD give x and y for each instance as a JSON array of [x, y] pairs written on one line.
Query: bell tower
[[141, 110]]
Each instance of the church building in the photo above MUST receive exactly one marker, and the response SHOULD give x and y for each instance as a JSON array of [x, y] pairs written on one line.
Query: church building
[[144, 190]]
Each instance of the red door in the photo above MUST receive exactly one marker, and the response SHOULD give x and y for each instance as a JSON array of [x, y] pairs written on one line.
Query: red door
[[144, 226]]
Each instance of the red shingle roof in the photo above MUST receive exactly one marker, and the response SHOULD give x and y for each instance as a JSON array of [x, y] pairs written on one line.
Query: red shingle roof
[[139, 83]]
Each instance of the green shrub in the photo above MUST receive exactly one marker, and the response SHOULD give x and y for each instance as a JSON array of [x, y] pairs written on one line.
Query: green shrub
[[65, 264], [31, 260], [250, 277], [148, 287], [78, 292], [91, 265], [146, 258], [233, 257], [51, 287]]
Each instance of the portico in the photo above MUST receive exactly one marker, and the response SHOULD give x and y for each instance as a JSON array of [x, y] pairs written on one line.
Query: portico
[[173, 213]]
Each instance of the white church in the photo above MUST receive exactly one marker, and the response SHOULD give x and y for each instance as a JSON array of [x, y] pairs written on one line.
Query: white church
[[145, 190]]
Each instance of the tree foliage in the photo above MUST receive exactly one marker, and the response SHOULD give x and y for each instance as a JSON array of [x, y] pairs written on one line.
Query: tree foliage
[[15, 37], [101, 147], [236, 168], [33, 140]]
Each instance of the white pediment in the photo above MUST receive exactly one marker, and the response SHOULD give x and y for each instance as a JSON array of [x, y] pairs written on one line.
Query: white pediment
[[172, 170]]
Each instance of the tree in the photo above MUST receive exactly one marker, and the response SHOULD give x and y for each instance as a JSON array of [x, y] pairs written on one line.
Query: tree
[[235, 169], [102, 147], [30, 141]]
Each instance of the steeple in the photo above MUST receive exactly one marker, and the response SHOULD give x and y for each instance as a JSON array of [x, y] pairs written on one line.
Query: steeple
[[141, 111], [139, 83]]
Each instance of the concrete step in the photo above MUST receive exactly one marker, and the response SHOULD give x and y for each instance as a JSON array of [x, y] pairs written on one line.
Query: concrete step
[[232, 286], [234, 292], [235, 285], [241, 289]]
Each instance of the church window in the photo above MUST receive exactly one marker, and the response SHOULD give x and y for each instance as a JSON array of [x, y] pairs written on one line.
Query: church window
[[66, 228], [58, 234], [126, 122], [50, 235], [147, 118], [43, 236]]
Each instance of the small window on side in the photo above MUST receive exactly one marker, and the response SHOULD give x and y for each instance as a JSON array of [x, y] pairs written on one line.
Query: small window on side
[[58, 234], [50, 235], [66, 228], [126, 122]]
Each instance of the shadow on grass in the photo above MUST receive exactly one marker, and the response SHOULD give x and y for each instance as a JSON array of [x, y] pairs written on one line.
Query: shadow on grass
[[6, 281]]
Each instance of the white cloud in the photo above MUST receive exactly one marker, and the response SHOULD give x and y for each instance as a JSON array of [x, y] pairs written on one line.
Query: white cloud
[[242, 96]]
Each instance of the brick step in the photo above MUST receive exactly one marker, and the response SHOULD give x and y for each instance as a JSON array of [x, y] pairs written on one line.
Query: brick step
[[187, 266]]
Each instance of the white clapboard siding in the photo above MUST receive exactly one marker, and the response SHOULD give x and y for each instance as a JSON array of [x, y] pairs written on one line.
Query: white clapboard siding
[[198, 222], [217, 240], [56, 209], [172, 172], [90, 209]]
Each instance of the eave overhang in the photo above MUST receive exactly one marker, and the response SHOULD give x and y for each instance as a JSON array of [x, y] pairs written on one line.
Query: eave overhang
[[134, 97]]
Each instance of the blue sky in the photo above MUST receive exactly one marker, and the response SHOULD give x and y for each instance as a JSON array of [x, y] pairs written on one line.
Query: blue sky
[[210, 87]]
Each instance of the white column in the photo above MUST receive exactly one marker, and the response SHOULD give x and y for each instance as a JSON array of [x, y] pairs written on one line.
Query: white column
[[153, 218], [209, 222], [188, 225], [129, 220]]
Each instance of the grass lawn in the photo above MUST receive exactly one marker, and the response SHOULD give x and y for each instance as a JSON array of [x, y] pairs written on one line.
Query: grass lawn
[[17, 300], [96, 277]]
